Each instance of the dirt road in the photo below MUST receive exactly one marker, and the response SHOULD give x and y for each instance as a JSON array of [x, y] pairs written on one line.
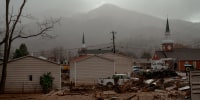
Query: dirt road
[[44, 97]]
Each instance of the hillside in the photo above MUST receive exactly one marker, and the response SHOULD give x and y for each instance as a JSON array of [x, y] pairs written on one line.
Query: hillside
[[135, 31]]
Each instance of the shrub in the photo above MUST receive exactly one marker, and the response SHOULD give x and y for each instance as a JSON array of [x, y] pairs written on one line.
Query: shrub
[[46, 81]]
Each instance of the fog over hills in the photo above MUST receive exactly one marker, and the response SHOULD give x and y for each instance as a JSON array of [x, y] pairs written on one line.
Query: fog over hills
[[135, 31]]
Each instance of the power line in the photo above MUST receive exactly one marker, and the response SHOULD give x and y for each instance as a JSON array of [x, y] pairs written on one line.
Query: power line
[[70, 49]]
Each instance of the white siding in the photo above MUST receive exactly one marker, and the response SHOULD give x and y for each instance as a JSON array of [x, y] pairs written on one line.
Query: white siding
[[18, 75], [89, 70], [122, 63]]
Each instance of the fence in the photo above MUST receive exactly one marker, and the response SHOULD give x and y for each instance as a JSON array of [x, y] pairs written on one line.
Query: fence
[[195, 85], [22, 87]]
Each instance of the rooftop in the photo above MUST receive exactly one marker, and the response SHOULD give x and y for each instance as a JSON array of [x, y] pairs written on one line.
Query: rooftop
[[181, 54]]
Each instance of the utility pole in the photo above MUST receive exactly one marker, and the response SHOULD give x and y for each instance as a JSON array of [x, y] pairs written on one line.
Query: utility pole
[[113, 38]]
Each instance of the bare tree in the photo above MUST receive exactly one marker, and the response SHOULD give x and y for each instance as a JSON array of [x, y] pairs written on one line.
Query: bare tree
[[59, 54], [12, 32]]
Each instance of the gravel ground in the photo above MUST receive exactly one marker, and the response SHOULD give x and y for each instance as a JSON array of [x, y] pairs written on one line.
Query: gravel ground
[[124, 96], [44, 97]]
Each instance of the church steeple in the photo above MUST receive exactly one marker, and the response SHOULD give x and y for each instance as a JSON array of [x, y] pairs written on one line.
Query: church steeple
[[167, 30], [167, 44], [167, 27], [83, 41]]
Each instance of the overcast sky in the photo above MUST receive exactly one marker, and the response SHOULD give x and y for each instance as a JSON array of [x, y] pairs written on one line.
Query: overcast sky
[[177, 9]]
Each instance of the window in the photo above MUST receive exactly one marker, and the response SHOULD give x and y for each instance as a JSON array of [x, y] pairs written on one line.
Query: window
[[30, 77]]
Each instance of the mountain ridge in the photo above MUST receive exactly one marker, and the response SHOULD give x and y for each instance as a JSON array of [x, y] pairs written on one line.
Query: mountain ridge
[[133, 29]]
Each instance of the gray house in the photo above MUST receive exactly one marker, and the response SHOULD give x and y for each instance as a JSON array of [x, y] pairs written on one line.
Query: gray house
[[23, 74], [87, 69]]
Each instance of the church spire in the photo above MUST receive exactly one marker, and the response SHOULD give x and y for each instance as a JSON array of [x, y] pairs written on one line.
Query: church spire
[[167, 31], [83, 41], [167, 44]]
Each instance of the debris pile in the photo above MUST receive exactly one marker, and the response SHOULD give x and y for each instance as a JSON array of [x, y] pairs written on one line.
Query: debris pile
[[164, 81], [162, 84]]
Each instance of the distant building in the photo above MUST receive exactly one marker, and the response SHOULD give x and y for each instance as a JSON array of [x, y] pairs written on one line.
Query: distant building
[[86, 51], [143, 63], [93, 51], [179, 56]]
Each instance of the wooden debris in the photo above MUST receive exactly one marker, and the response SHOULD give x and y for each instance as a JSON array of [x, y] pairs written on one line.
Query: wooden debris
[[130, 98]]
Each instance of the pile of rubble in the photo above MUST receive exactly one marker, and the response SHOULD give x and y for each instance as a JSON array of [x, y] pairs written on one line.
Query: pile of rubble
[[167, 83], [159, 87]]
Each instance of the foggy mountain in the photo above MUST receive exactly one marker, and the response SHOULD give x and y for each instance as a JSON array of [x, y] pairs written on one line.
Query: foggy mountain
[[135, 31]]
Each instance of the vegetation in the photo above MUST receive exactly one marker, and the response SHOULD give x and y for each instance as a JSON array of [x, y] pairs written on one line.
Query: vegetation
[[46, 81], [22, 51], [146, 55]]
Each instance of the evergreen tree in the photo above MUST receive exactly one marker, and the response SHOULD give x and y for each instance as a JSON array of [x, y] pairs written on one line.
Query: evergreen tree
[[146, 55], [22, 51], [17, 53]]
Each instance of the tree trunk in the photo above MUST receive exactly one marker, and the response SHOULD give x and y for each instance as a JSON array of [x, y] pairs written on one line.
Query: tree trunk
[[6, 52], [3, 78], [5, 61]]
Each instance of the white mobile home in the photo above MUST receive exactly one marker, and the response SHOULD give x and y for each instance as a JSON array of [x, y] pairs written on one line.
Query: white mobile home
[[23, 74], [88, 68], [123, 64]]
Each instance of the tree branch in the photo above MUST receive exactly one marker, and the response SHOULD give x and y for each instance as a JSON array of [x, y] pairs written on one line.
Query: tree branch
[[41, 32], [2, 41], [47, 25], [17, 19], [11, 16]]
